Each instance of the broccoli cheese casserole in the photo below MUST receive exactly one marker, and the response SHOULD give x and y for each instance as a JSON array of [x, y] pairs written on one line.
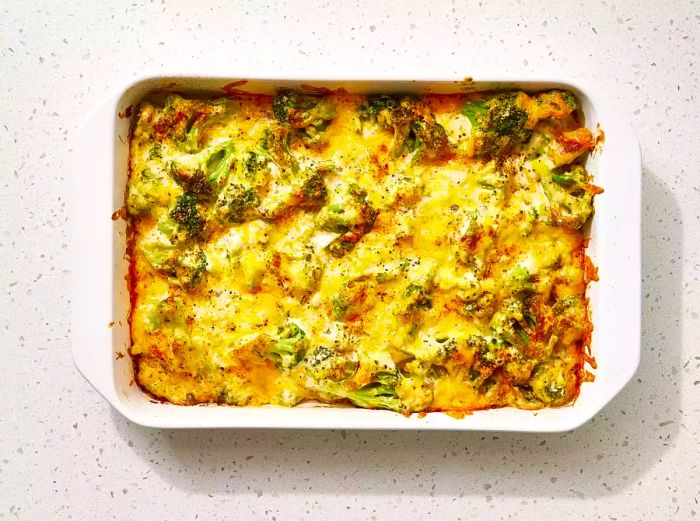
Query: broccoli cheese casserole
[[403, 252]]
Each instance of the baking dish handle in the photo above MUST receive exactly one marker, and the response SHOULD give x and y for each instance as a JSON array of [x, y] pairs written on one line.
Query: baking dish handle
[[92, 178]]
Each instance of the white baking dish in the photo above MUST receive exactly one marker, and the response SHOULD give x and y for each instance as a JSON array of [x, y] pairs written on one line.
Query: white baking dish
[[100, 296]]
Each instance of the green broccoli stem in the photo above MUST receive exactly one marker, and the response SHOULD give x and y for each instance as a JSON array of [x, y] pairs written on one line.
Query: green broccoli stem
[[219, 164], [379, 394]]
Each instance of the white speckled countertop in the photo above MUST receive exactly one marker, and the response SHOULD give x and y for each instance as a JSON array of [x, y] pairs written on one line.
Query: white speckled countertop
[[64, 454]]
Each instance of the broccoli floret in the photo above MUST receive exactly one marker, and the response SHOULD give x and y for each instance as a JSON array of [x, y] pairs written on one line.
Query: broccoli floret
[[202, 120], [254, 163], [301, 109], [352, 299], [288, 345], [419, 296], [159, 250], [236, 204], [570, 195], [413, 125], [549, 382], [340, 247], [474, 244], [503, 121], [551, 104], [498, 123], [275, 143], [172, 121], [474, 110], [313, 190], [188, 215], [518, 367], [190, 267], [146, 190], [339, 305], [520, 281], [570, 101], [571, 319], [567, 187], [480, 305], [490, 352], [186, 121], [505, 118], [379, 394], [305, 189], [431, 141], [156, 151], [479, 346], [334, 218], [202, 173], [391, 112], [325, 363], [377, 104], [510, 325], [350, 215], [167, 312], [308, 113], [394, 114], [195, 181]]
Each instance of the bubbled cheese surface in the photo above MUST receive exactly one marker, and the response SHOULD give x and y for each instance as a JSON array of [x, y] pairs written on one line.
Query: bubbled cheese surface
[[462, 286]]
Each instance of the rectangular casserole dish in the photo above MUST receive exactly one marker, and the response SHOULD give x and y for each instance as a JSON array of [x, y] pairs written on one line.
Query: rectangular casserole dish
[[100, 299]]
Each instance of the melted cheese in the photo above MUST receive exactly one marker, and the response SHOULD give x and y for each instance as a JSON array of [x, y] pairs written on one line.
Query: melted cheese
[[457, 282]]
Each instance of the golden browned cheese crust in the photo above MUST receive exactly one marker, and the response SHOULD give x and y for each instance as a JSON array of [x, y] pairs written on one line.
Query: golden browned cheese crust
[[411, 253]]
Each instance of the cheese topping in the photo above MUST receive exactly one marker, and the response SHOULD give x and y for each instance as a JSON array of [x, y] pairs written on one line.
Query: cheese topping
[[412, 253]]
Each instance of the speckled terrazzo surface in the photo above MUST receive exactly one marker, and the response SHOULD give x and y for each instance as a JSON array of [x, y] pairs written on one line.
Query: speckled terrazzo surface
[[64, 454]]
